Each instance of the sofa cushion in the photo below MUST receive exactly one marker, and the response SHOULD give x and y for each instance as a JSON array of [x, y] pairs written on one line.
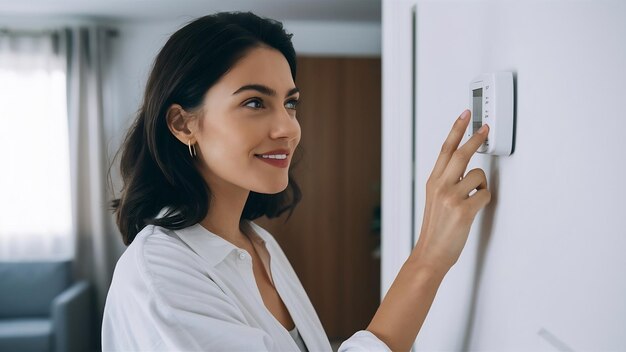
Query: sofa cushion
[[28, 288], [21, 335]]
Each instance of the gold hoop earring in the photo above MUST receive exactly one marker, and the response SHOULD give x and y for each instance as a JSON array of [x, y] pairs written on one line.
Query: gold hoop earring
[[192, 148]]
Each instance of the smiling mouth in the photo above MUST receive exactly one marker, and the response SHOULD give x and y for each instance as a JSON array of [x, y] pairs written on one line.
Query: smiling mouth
[[272, 156], [281, 161]]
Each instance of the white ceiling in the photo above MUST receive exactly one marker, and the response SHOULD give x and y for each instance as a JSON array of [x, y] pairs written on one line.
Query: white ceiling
[[139, 10]]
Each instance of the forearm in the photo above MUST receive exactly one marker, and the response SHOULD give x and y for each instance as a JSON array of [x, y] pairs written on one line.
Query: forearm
[[405, 306]]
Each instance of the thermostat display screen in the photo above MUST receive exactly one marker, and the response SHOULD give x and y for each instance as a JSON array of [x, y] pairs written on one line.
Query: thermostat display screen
[[477, 107], [490, 99]]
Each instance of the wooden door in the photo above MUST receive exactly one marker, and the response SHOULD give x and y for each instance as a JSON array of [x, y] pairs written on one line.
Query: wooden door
[[331, 237]]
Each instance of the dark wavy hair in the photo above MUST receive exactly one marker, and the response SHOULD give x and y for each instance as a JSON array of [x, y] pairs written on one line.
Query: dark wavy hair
[[156, 168]]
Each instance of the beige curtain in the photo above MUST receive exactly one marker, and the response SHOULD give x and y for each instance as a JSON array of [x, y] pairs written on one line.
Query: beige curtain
[[97, 241]]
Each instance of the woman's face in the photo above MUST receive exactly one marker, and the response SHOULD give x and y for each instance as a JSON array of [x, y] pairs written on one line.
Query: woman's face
[[248, 112]]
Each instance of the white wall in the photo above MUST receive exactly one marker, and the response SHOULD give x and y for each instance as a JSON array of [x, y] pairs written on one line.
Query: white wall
[[397, 161], [543, 267]]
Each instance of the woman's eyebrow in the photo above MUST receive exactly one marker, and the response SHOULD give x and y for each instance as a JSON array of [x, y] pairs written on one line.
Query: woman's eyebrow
[[264, 90]]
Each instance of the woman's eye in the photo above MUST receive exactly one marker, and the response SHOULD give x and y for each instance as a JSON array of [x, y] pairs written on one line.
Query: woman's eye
[[254, 101], [294, 103]]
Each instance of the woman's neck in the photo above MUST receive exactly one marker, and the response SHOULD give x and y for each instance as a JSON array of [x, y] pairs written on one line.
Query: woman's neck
[[225, 208]]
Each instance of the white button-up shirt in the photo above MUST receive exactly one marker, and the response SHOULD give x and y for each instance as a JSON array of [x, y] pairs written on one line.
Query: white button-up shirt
[[191, 290]]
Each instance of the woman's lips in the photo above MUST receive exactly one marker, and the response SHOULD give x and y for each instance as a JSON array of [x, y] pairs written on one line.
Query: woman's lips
[[282, 163], [278, 158]]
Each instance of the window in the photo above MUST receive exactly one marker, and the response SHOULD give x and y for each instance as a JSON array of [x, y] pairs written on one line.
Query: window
[[35, 207]]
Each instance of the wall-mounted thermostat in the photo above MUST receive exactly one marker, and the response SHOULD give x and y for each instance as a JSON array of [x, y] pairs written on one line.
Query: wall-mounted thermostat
[[491, 103]]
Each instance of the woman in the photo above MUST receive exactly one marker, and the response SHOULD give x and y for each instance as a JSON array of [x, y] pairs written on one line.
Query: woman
[[210, 151]]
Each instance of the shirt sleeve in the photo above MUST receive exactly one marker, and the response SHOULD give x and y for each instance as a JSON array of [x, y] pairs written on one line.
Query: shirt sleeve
[[363, 340], [161, 300]]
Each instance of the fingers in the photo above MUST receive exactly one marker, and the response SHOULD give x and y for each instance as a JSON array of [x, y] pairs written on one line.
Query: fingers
[[451, 143], [475, 179], [479, 200], [461, 157]]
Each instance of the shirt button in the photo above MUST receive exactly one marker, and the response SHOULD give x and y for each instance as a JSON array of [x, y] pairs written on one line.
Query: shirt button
[[242, 255]]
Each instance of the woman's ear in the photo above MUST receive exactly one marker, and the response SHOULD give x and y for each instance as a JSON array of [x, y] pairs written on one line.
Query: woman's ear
[[180, 123]]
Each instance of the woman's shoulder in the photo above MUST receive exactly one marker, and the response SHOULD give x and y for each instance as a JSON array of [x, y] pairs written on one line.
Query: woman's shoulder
[[155, 256], [157, 237], [157, 282], [154, 241]]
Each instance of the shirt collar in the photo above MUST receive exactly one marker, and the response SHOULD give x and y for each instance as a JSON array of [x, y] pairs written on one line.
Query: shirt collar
[[213, 248]]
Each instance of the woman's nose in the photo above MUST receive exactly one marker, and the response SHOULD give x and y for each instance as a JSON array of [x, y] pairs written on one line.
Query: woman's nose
[[285, 125]]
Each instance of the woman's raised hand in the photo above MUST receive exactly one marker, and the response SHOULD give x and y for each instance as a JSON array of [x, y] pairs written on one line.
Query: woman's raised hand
[[450, 209], [448, 216]]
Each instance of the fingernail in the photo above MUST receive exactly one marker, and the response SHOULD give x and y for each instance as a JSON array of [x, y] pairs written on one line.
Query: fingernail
[[482, 129], [465, 114]]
